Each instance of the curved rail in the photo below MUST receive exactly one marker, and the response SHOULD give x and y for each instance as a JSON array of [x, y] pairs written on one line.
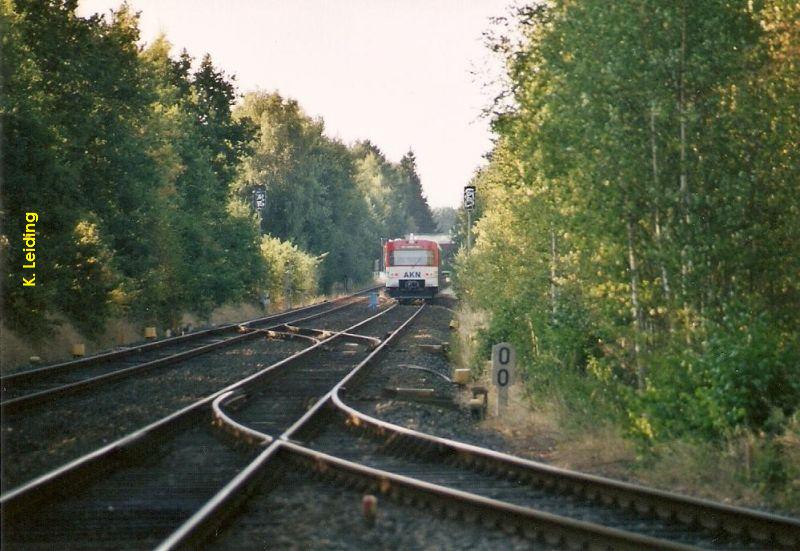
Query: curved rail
[[62, 479], [551, 528], [234, 428], [761, 527], [225, 502]]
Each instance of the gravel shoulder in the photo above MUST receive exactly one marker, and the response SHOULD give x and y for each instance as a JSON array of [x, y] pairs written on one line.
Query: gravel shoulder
[[447, 417]]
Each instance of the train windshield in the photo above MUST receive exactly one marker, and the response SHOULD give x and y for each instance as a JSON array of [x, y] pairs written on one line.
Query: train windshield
[[411, 257]]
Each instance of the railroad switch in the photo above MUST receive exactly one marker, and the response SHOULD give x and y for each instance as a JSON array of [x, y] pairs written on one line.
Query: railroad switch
[[409, 393]]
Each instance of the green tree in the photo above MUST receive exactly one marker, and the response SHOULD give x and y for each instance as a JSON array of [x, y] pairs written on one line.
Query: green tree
[[642, 182], [445, 218], [411, 190], [312, 197], [73, 152], [127, 158], [209, 256]]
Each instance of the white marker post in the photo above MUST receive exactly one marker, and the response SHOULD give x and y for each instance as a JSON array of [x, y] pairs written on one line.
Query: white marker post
[[504, 360]]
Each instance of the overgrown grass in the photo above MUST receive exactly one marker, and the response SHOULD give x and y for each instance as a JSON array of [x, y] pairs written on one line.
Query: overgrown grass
[[586, 414], [752, 469]]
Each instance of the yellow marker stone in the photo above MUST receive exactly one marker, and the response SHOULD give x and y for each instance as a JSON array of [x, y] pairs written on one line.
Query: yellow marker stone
[[461, 376], [369, 508]]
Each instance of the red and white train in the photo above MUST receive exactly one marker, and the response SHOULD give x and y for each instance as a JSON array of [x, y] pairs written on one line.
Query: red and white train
[[412, 268]]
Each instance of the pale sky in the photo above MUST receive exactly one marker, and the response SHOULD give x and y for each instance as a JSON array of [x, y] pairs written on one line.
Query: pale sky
[[397, 72]]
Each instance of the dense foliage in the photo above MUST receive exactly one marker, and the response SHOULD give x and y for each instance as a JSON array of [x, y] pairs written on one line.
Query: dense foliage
[[637, 231], [139, 168], [445, 218], [327, 199], [126, 157]]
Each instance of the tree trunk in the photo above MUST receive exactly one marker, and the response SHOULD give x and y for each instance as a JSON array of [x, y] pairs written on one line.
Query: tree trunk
[[636, 310], [553, 267], [686, 261], [657, 215]]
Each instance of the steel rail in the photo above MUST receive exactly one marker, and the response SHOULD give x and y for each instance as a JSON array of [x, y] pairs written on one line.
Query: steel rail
[[30, 375], [272, 334], [20, 403], [553, 529], [532, 523], [371, 341], [250, 436], [220, 507], [237, 430], [548, 527], [62, 479], [736, 521], [64, 367]]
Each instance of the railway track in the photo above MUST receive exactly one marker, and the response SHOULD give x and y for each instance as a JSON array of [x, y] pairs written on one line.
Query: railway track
[[27, 389], [133, 500], [291, 422], [143, 484], [38, 439], [552, 506]]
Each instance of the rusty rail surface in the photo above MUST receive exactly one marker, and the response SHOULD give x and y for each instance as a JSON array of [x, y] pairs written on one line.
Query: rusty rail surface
[[764, 528], [244, 331]]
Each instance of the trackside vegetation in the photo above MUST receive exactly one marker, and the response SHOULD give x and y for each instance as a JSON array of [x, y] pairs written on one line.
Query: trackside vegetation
[[140, 166], [637, 232]]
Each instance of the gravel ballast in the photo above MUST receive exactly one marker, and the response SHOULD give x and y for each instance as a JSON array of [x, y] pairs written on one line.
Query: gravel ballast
[[138, 505], [35, 442], [398, 369], [306, 513], [38, 440]]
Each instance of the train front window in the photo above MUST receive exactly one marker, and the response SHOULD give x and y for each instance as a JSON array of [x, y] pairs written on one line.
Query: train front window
[[412, 257]]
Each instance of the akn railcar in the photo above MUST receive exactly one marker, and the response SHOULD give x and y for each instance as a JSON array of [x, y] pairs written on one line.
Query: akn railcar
[[412, 268]]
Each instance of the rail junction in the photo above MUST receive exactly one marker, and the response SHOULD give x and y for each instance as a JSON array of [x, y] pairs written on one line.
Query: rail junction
[[204, 474]]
